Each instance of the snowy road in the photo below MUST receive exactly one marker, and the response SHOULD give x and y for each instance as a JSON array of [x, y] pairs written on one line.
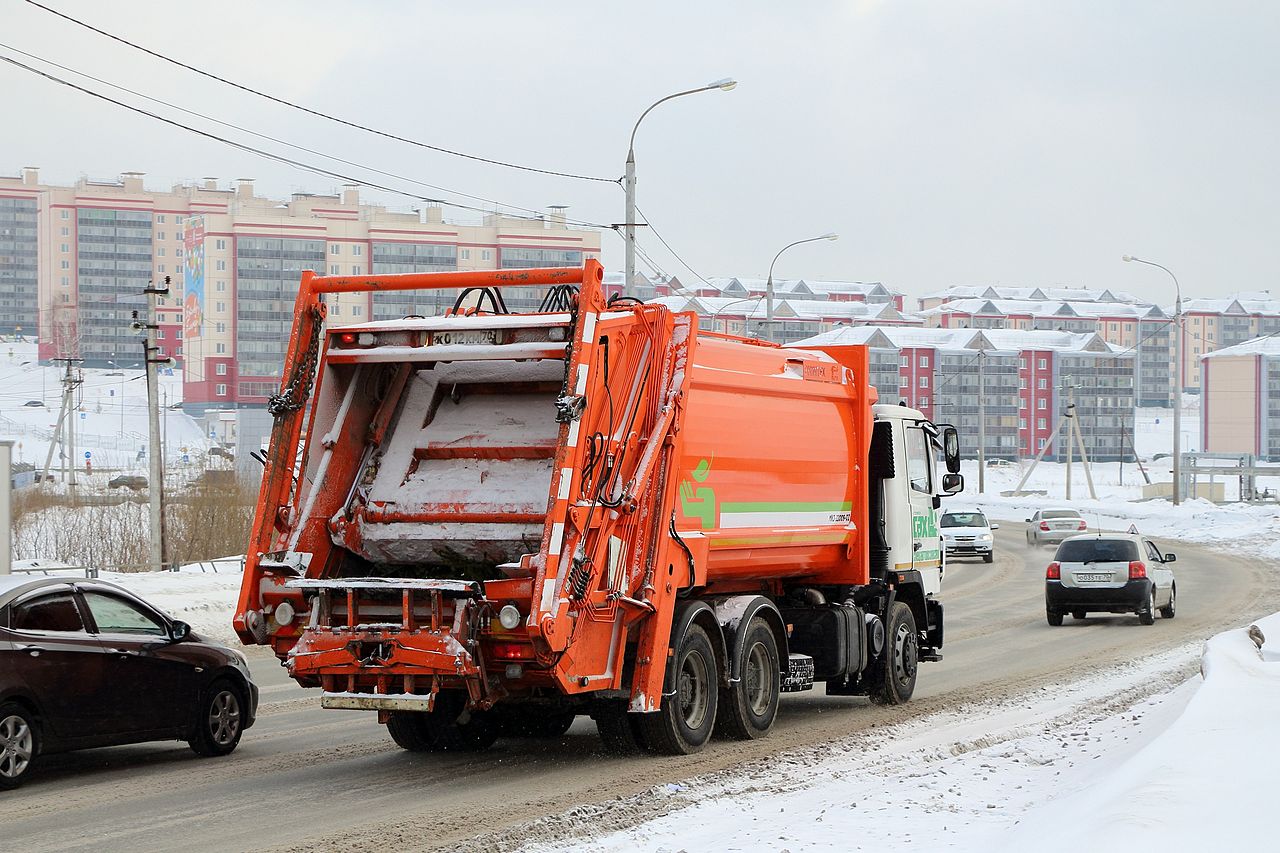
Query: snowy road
[[328, 780]]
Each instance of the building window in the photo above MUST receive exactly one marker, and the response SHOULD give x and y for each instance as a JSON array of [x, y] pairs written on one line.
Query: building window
[[904, 381], [220, 390], [924, 361], [160, 334], [220, 307], [1040, 444], [905, 361], [66, 297], [924, 401], [221, 370], [1043, 364], [160, 219], [159, 235], [66, 281], [1040, 424], [1041, 405], [66, 265], [64, 213], [356, 311], [161, 268], [222, 266], [160, 252], [219, 327], [1044, 384], [221, 286], [1022, 364], [66, 248], [1022, 423], [220, 244], [220, 349], [486, 255], [355, 270], [357, 249], [924, 381], [1022, 404], [177, 253], [335, 249], [66, 232], [336, 310], [177, 333], [466, 254], [333, 269]]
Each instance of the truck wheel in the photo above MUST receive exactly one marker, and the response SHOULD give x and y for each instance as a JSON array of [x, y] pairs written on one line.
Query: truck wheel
[[453, 728], [1168, 611], [410, 731], [901, 657], [748, 707], [535, 722], [684, 723], [18, 744], [619, 731]]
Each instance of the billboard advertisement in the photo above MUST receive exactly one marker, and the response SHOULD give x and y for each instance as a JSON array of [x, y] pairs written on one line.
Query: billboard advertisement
[[193, 278]]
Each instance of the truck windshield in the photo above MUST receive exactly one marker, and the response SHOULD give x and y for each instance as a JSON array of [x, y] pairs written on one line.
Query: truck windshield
[[964, 519]]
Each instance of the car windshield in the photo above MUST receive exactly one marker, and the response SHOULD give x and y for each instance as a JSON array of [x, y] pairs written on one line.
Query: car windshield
[[1097, 551], [1060, 513], [964, 519]]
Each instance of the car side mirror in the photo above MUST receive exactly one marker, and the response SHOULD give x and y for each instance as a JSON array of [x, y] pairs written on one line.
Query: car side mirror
[[995, 527], [952, 483], [1028, 521], [1171, 558], [179, 631]]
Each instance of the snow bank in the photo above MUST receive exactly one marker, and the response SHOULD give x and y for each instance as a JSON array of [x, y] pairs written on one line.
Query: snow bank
[[1206, 783]]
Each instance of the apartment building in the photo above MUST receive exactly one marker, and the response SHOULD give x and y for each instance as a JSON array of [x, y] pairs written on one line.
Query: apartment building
[[233, 260], [1144, 329], [1210, 325], [1240, 398], [1043, 294], [1024, 377]]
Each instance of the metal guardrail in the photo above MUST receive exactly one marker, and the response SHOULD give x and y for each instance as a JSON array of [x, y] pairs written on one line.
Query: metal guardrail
[[53, 570]]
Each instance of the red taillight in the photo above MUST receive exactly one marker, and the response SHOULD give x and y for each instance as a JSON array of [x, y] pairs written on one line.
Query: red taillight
[[513, 651], [347, 339], [1137, 570], [1081, 525], [1054, 572], [1044, 525]]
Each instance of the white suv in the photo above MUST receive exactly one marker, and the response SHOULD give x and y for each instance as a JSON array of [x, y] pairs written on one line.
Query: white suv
[[968, 534]]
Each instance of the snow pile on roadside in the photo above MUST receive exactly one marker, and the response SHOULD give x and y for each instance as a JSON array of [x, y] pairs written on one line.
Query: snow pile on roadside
[[1206, 783], [196, 594], [954, 780]]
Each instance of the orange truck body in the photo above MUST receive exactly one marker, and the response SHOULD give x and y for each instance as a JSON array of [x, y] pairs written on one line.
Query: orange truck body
[[512, 509]]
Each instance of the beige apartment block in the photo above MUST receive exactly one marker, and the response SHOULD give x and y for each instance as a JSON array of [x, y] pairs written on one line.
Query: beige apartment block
[[1240, 399], [234, 260]]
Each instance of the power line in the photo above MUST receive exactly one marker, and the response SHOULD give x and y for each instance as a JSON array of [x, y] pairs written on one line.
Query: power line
[[277, 140], [317, 113], [673, 252], [319, 170]]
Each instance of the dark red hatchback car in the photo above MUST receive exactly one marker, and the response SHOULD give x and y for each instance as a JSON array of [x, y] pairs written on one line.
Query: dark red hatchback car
[[84, 663]]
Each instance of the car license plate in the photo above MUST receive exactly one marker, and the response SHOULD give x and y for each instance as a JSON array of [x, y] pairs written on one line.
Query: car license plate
[[465, 337], [1093, 577]]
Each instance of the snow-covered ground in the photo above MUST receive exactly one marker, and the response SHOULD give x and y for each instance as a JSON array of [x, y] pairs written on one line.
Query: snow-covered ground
[[111, 422]]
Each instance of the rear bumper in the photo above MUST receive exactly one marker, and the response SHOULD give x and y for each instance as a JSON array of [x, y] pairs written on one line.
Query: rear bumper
[[1055, 536], [1131, 597]]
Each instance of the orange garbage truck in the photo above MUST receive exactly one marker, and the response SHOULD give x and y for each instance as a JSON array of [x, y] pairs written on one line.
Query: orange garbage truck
[[486, 523]]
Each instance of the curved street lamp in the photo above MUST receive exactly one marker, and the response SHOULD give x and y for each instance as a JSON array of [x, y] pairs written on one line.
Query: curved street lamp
[[768, 288], [629, 182], [1177, 376]]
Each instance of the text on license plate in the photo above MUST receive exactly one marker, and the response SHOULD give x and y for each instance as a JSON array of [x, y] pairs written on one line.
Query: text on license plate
[[1093, 577], [471, 336]]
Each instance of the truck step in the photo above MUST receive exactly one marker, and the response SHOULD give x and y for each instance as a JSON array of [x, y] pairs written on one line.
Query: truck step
[[931, 655], [799, 674]]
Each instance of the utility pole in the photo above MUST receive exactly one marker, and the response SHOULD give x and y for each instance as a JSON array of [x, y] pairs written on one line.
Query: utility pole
[[64, 433], [982, 424], [1069, 416], [152, 361]]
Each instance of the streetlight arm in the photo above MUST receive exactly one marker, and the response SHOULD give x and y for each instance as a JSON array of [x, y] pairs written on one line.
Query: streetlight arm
[[796, 243], [719, 84], [1177, 288]]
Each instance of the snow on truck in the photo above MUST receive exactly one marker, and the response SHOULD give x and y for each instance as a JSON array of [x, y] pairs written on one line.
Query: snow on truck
[[488, 523]]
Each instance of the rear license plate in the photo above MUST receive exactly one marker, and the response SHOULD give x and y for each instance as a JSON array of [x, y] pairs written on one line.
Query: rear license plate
[[1093, 577], [465, 337]]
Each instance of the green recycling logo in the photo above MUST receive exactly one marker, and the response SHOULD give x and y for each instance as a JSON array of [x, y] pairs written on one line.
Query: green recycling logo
[[699, 501]]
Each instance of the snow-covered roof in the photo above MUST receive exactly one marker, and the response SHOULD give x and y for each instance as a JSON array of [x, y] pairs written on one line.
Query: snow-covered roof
[[1046, 308], [1058, 293], [1000, 340], [801, 286], [753, 307], [1267, 345], [1238, 304]]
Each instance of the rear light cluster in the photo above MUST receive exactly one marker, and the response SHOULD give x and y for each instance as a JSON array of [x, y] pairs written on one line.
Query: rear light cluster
[[513, 651], [1137, 570], [1044, 525], [1081, 525], [1054, 572], [355, 339]]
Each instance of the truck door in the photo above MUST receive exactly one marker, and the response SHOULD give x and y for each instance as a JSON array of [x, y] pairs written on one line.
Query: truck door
[[926, 554]]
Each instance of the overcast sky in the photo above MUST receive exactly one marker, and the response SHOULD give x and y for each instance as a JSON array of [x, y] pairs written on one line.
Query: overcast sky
[[976, 142]]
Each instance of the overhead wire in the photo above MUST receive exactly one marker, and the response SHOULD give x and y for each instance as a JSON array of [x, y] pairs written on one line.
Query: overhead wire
[[317, 113], [279, 141], [319, 170]]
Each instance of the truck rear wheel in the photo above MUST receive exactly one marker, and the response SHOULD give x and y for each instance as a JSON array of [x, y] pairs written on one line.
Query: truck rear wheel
[[619, 730], [749, 706], [897, 679], [690, 698], [535, 722], [409, 730]]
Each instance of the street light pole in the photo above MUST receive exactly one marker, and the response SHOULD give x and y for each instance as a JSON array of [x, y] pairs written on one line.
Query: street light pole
[[1177, 377], [629, 181], [768, 288]]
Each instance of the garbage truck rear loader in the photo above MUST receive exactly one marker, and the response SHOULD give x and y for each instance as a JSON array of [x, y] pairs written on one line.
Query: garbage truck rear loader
[[488, 523]]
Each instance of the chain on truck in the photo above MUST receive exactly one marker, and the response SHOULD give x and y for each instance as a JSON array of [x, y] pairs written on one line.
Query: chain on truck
[[487, 523]]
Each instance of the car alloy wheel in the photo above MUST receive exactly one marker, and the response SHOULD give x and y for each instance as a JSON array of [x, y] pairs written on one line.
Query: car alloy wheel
[[224, 718], [17, 744]]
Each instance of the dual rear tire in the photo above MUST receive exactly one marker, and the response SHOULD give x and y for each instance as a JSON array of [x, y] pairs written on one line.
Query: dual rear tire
[[448, 727]]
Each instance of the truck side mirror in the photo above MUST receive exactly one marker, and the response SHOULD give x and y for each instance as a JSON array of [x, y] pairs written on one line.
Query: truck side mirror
[[951, 449], [952, 483]]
